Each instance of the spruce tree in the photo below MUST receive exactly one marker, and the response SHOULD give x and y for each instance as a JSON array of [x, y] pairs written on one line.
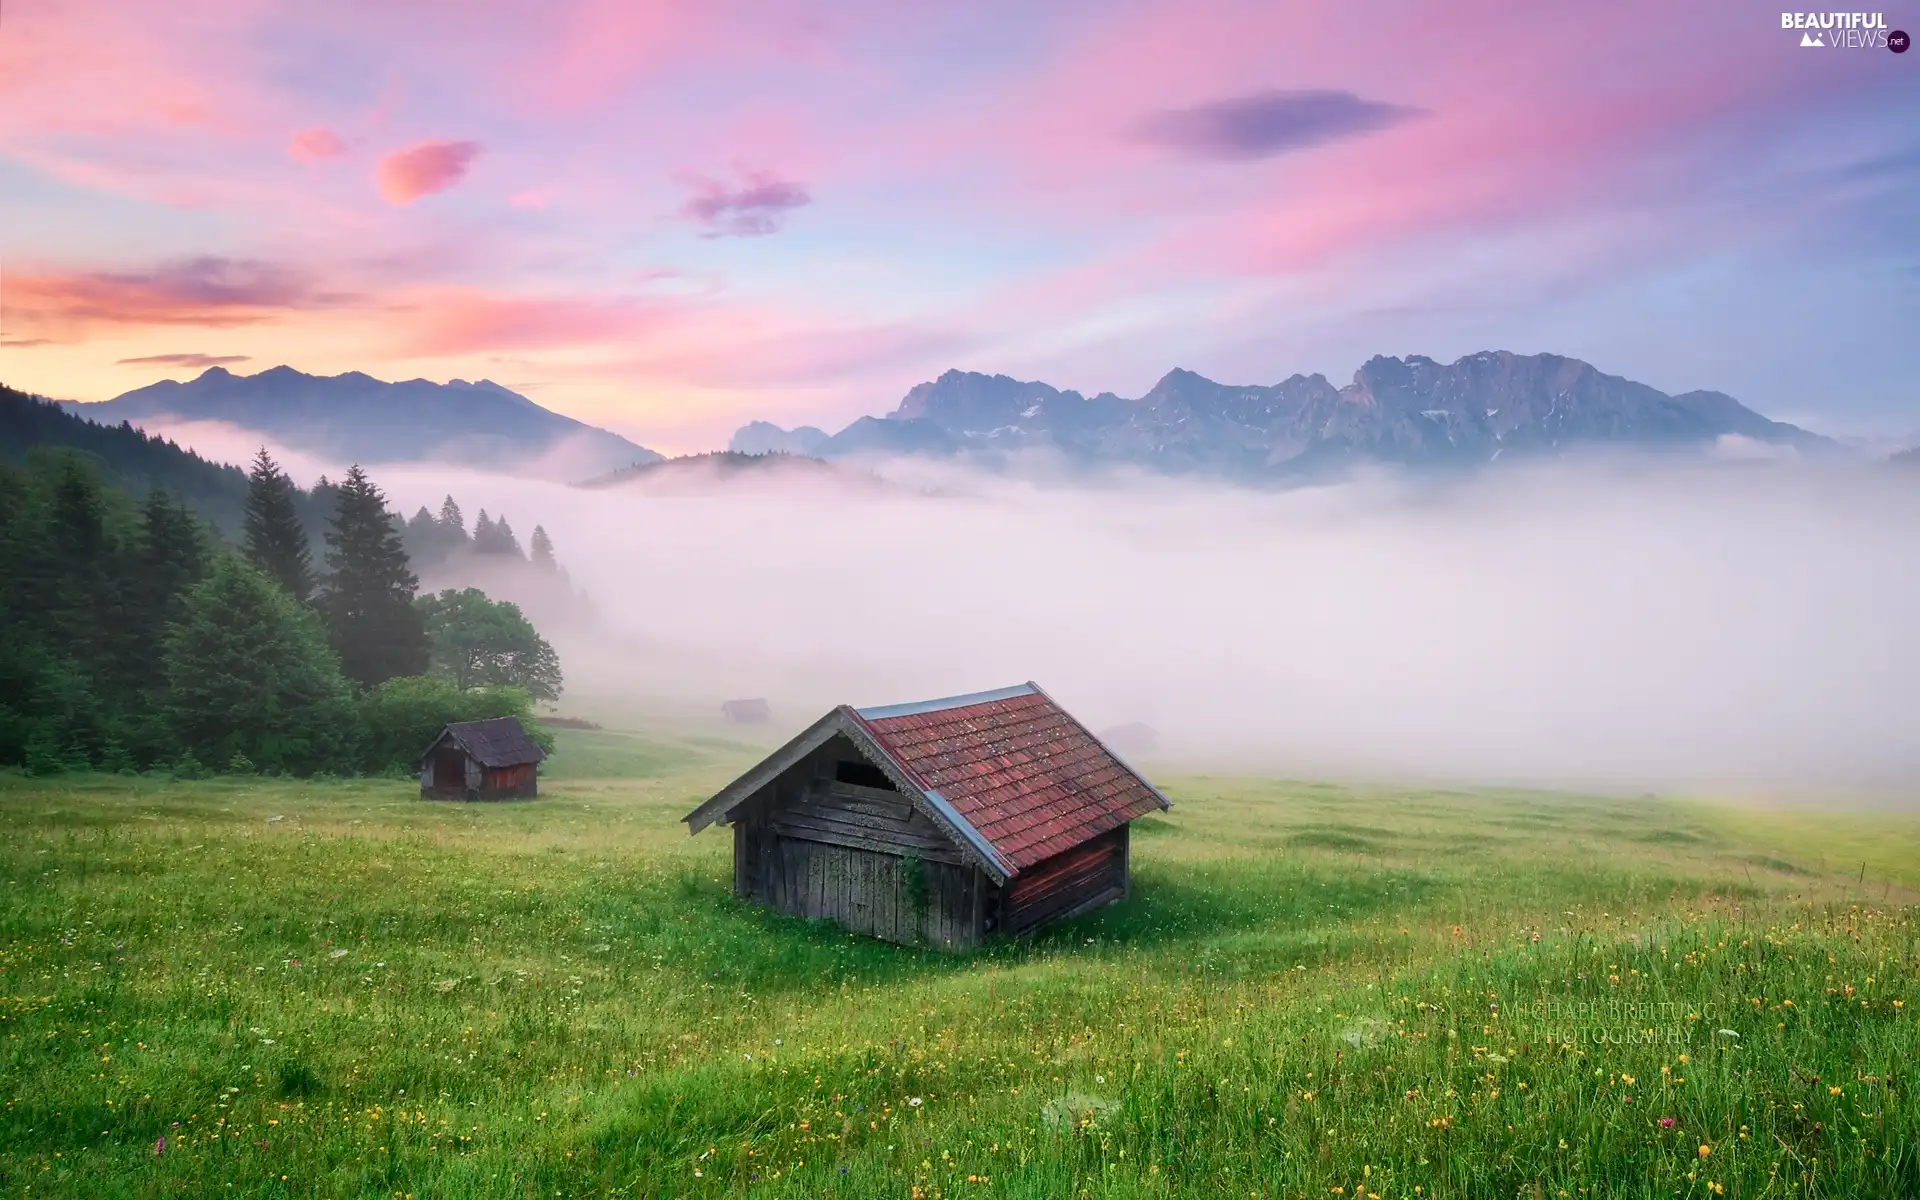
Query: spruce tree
[[274, 540], [543, 551], [371, 621], [172, 557], [495, 537], [173, 549], [451, 521], [249, 677], [421, 537], [504, 541]]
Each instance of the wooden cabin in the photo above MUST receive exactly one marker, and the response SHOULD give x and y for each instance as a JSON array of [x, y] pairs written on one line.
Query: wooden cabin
[[938, 823], [481, 760], [746, 712]]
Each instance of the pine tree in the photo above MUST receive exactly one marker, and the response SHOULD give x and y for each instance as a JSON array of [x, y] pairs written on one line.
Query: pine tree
[[249, 676], [503, 540], [494, 537], [451, 520], [371, 621], [173, 553], [421, 537], [274, 540], [172, 557], [543, 551]]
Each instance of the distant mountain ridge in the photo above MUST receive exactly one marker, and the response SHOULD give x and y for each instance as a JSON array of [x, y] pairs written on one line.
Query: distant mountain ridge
[[357, 418], [1412, 411]]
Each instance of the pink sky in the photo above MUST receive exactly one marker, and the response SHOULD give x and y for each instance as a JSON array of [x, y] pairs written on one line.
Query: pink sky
[[672, 218]]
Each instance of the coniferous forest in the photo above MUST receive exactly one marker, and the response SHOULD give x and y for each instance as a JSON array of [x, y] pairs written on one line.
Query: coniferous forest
[[134, 635]]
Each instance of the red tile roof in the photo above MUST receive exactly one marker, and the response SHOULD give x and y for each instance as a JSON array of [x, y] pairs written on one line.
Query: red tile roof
[[1026, 775]]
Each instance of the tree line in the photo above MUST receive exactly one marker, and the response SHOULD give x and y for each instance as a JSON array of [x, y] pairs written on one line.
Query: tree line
[[133, 637]]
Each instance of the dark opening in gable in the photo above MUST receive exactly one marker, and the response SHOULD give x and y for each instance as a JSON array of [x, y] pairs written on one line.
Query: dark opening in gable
[[864, 774]]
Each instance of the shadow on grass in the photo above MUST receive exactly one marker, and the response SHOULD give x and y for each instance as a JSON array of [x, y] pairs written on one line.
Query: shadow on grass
[[696, 925]]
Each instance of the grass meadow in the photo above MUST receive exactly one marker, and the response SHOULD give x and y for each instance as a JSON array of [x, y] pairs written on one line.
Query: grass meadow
[[249, 987]]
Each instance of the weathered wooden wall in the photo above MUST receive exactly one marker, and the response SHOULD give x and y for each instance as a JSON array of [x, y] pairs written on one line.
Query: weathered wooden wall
[[1070, 883], [516, 782], [447, 772], [814, 846]]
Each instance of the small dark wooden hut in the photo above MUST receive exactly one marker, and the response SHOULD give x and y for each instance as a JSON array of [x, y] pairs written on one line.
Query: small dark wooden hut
[[481, 760], [746, 712], [939, 823]]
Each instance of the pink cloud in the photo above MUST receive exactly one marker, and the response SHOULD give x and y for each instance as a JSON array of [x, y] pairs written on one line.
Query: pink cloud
[[193, 360], [531, 201], [210, 292], [451, 322], [312, 145], [406, 175]]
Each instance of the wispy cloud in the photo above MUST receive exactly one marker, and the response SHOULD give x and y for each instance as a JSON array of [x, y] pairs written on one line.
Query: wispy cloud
[[312, 145], [1263, 124], [208, 291], [406, 175], [200, 361], [754, 209]]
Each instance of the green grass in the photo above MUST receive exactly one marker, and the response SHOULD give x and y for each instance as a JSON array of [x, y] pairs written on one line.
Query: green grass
[[335, 989]]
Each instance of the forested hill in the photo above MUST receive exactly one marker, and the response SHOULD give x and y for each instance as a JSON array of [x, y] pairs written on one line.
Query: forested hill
[[137, 462]]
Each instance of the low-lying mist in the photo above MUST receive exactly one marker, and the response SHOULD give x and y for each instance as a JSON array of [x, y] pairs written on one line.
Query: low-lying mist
[[1621, 623]]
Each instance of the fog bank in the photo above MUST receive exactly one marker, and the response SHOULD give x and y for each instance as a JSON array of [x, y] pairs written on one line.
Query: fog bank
[[1662, 624], [1643, 624]]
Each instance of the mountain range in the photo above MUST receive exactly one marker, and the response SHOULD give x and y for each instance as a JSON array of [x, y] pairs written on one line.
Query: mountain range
[[357, 418], [1411, 411]]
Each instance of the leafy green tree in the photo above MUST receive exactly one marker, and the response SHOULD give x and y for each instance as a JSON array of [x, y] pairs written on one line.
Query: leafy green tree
[[273, 537], [249, 674], [371, 620], [400, 716], [481, 642]]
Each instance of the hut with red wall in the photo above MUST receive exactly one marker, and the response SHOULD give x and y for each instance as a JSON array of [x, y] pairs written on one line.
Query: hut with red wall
[[942, 822], [481, 760]]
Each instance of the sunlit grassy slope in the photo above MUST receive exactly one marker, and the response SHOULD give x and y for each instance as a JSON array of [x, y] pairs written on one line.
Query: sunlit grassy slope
[[274, 988]]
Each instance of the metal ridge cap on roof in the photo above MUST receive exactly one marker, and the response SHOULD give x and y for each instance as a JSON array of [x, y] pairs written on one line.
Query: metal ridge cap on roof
[[965, 829], [884, 711]]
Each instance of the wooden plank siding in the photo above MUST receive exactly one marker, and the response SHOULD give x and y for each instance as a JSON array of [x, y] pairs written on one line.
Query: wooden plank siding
[[813, 846], [1070, 883]]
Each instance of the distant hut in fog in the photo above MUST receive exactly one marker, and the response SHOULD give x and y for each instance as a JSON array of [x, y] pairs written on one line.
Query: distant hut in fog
[[937, 823], [481, 760], [747, 712]]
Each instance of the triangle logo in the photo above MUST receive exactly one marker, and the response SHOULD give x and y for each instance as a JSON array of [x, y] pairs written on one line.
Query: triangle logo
[[1812, 39]]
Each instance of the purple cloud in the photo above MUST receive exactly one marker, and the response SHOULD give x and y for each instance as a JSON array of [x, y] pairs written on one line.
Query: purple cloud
[[201, 361], [1263, 124], [753, 210]]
